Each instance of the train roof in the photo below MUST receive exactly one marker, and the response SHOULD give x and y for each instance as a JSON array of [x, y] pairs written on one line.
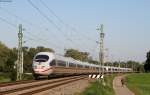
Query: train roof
[[71, 60]]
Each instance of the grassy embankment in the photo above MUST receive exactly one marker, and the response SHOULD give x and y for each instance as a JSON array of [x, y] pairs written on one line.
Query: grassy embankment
[[4, 78], [7, 77], [96, 88], [139, 83]]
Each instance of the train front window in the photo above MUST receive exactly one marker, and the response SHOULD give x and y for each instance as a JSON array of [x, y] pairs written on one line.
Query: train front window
[[41, 58]]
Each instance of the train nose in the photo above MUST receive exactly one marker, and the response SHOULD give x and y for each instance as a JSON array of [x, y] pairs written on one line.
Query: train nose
[[40, 68], [43, 67]]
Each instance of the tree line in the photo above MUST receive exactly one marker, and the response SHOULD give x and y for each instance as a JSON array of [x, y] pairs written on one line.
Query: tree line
[[8, 57]]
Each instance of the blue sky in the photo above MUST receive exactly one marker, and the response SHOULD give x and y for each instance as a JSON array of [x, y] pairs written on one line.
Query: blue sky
[[126, 24]]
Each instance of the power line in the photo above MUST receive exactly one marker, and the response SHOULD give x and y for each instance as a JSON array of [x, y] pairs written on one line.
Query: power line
[[29, 23], [34, 40], [49, 20], [60, 20], [37, 36], [51, 11], [46, 17], [40, 39], [11, 24]]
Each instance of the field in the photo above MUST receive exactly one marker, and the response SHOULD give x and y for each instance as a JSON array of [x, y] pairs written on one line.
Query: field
[[97, 88], [139, 83]]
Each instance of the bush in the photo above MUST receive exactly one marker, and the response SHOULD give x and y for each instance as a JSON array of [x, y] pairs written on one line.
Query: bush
[[27, 77], [4, 77], [13, 75]]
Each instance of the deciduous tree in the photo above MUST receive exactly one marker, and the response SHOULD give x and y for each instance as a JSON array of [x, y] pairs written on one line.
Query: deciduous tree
[[147, 63]]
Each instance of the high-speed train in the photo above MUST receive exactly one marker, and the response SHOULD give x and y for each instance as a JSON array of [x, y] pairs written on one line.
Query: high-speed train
[[50, 64]]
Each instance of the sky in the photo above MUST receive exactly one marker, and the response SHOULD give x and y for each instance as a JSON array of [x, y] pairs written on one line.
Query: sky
[[62, 24]]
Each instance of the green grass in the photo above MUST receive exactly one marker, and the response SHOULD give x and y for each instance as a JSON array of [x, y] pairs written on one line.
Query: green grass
[[4, 77], [139, 83], [96, 88]]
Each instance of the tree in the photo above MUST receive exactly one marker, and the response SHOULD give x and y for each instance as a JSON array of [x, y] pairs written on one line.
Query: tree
[[7, 59], [4, 55], [91, 60], [136, 66], [43, 49], [78, 55], [10, 63], [147, 63]]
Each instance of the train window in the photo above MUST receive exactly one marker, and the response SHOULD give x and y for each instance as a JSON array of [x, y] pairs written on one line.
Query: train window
[[86, 66], [80, 66], [41, 58], [72, 65], [97, 68], [61, 63], [53, 63], [93, 67]]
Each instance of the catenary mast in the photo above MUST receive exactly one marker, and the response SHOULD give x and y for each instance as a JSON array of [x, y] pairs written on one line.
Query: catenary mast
[[20, 54], [101, 42]]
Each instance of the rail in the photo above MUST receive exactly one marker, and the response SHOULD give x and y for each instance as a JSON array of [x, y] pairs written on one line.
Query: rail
[[38, 86]]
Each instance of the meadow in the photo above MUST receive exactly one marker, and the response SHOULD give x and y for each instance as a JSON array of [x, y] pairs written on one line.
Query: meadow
[[139, 83]]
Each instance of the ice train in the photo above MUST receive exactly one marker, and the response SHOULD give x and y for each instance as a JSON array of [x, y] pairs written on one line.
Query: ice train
[[50, 64]]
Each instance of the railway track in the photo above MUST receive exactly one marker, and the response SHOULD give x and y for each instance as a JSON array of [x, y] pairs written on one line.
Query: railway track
[[33, 87], [16, 83]]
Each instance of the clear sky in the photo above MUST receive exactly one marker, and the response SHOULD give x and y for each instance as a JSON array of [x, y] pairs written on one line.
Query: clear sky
[[72, 24]]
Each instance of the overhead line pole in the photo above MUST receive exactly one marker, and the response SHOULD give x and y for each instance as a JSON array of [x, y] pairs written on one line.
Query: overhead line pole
[[20, 54], [101, 53]]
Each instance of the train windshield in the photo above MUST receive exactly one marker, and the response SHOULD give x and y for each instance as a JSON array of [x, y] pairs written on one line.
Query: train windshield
[[41, 58]]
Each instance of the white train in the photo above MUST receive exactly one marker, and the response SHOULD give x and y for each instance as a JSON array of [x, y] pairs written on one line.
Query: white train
[[50, 64]]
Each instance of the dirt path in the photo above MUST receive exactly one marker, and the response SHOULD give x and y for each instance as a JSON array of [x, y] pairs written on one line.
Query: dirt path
[[119, 89]]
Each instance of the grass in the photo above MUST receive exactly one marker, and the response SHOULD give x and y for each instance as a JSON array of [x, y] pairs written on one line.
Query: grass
[[4, 77], [139, 83], [7, 77], [96, 88]]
